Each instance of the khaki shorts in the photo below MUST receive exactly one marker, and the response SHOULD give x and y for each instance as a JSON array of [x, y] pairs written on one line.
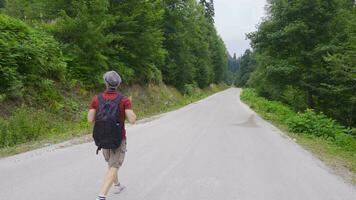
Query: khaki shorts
[[115, 159]]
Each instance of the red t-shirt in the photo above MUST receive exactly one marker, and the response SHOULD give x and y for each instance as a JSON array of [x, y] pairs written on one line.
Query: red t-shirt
[[123, 105]]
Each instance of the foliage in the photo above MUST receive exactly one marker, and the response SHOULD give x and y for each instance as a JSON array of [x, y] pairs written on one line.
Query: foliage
[[173, 41], [233, 66], [319, 125], [273, 110], [189, 89], [305, 51], [2, 4], [195, 51], [209, 9], [308, 122], [81, 31], [247, 64], [28, 125], [27, 57], [53, 52], [137, 39]]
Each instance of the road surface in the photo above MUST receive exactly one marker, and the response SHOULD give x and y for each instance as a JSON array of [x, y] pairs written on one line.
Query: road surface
[[215, 149]]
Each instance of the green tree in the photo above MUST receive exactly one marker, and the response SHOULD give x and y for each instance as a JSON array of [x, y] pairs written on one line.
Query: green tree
[[209, 9], [220, 61], [146, 41], [179, 69], [136, 48], [82, 32], [295, 46], [2, 3], [247, 66]]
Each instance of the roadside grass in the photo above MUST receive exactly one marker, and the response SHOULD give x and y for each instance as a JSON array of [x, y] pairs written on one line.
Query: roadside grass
[[328, 140], [28, 128]]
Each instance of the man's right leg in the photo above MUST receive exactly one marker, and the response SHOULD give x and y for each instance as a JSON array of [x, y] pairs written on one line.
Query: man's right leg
[[116, 180]]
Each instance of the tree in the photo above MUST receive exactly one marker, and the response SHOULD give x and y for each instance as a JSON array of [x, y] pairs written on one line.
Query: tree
[[179, 69], [2, 3], [247, 66], [137, 45], [219, 60], [209, 9], [174, 41], [82, 32], [294, 46]]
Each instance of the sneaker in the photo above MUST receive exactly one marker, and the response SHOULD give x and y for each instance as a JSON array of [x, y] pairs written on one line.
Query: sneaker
[[100, 198], [118, 188]]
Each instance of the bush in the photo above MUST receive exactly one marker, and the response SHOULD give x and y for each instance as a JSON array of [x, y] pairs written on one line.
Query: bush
[[189, 89], [27, 125], [295, 97], [309, 122], [3, 132], [273, 110], [315, 124], [27, 55]]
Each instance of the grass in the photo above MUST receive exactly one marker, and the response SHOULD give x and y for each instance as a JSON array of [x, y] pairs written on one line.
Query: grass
[[328, 140], [27, 128]]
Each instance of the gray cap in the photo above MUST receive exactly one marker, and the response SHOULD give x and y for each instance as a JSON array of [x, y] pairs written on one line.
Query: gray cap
[[112, 79]]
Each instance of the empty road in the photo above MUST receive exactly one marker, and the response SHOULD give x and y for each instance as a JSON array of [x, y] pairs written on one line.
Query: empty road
[[215, 149]]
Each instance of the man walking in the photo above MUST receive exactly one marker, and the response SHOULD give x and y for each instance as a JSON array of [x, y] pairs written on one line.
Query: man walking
[[108, 112]]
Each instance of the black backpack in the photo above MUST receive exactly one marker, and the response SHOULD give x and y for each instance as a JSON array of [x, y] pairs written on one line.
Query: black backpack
[[107, 132]]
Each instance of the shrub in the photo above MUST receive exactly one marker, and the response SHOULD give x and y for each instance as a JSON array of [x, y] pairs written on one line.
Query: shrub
[[188, 89], [27, 125], [295, 97], [3, 132], [270, 109], [315, 124], [27, 55]]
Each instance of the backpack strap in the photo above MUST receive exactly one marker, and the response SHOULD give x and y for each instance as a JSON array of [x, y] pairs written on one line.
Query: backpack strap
[[101, 98], [118, 99], [97, 150]]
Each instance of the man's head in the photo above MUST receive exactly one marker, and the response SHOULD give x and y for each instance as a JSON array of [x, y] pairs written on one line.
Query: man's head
[[112, 80]]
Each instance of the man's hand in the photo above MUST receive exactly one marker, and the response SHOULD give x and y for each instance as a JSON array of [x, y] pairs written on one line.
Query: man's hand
[[130, 115]]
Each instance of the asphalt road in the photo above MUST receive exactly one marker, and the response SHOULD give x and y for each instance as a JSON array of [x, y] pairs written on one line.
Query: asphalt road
[[215, 149]]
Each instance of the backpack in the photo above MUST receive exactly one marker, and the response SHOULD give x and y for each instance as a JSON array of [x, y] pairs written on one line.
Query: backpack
[[107, 132]]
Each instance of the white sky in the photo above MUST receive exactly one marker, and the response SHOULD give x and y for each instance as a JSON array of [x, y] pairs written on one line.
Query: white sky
[[235, 18]]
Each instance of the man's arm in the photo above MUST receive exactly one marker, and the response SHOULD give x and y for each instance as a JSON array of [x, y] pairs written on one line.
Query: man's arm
[[91, 115], [130, 115]]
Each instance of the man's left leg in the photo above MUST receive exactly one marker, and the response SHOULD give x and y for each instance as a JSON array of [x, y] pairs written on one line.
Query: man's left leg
[[110, 178]]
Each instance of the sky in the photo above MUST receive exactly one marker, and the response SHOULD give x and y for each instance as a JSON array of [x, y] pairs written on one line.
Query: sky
[[235, 18]]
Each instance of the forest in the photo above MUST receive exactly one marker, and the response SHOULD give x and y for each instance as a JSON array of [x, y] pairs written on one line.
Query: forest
[[53, 55], [304, 55], [49, 44]]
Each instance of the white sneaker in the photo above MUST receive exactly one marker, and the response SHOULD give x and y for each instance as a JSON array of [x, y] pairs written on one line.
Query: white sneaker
[[100, 198], [118, 188]]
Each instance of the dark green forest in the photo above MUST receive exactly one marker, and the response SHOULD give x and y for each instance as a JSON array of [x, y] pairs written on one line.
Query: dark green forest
[[54, 53], [45, 45], [304, 55]]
